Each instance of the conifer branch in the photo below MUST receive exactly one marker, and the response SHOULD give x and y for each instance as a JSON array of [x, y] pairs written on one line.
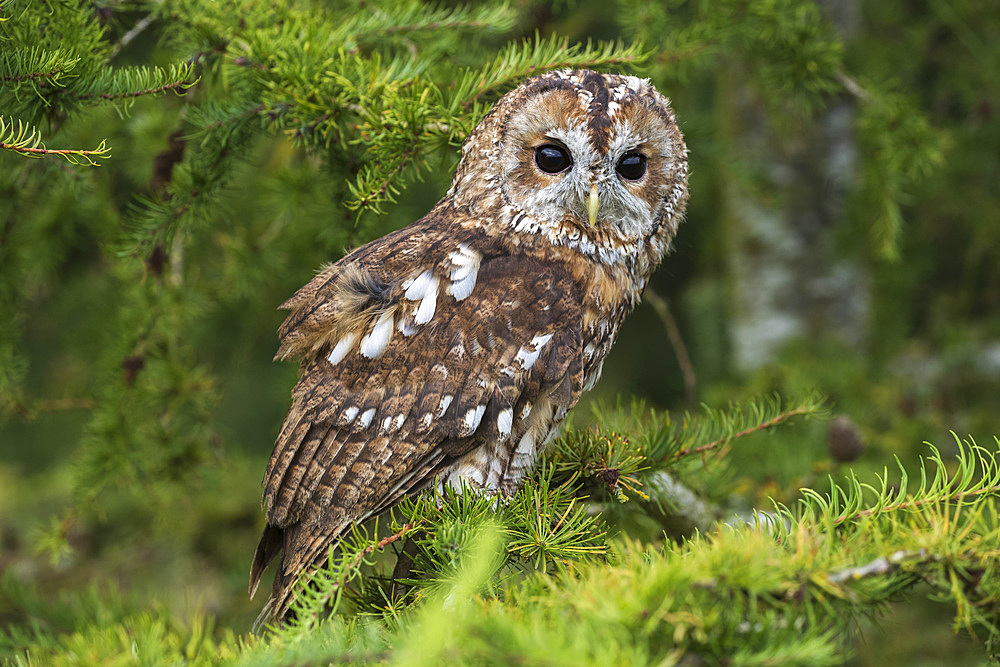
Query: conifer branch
[[319, 592], [769, 423], [977, 475], [25, 140], [48, 74], [18, 65], [957, 497], [156, 90], [416, 18], [30, 409], [519, 61], [352, 568]]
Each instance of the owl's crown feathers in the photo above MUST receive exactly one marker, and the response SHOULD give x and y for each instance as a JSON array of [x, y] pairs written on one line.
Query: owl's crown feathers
[[592, 161]]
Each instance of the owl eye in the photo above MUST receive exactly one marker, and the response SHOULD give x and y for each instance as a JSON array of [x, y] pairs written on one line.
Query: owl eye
[[552, 159], [632, 166]]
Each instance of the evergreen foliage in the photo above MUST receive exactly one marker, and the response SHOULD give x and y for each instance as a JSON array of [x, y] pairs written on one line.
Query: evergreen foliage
[[242, 145], [786, 588], [789, 53]]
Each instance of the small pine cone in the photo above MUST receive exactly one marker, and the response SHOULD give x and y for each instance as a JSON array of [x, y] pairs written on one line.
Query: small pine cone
[[844, 440]]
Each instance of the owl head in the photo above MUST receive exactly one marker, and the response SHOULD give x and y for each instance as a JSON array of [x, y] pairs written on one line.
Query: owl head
[[594, 161]]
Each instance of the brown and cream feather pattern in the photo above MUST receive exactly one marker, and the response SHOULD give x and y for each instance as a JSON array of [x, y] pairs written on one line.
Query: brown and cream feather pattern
[[454, 347]]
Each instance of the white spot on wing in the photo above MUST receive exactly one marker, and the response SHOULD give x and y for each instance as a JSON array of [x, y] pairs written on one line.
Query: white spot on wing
[[462, 288], [425, 311], [504, 422], [416, 288], [528, 355], [366, 417], [542, 340], [385, 423], [445, 402], [426, 420], [350, 413], [341, 349], [374, 343], [463, 275], [423, 289], [471, 420]]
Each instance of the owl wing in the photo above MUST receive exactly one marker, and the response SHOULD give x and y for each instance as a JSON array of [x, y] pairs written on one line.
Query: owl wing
[[418, 371]]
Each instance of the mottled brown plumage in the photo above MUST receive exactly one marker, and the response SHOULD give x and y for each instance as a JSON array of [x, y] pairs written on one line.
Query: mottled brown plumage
[[453, 348]]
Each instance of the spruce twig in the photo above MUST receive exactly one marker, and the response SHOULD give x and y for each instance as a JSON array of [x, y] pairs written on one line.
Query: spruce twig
[[770, 423]]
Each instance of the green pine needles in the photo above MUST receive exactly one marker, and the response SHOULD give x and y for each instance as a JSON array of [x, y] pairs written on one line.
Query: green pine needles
[[54, 63], [25, 140], [787, 587], [784, 587], [241, 146]]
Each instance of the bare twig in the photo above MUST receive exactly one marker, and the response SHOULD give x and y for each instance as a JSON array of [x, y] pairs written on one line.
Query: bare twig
[[132, 34], [662, 309], [853, 87], [881, 565]]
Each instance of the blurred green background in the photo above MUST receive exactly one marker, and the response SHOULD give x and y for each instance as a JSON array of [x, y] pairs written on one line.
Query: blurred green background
[[843, 235]]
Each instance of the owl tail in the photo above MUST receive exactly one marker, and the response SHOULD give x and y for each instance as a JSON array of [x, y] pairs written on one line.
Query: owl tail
[[270, 544], [305, 548]]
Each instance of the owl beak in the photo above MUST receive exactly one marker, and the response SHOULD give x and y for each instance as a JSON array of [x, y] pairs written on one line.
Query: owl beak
[[593, 203]]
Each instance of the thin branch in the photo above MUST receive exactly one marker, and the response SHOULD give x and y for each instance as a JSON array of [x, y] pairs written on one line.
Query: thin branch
[[67, 153], [679, 509], [853, 87], [920, 502], [49, 74], [381, 544], [783, 417], [405, 159], [879, 566], [134, 93], [132, 34], [356, 563], [662, 309]]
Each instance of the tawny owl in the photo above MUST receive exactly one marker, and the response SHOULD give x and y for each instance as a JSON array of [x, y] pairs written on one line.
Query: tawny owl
[[453, 348]]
